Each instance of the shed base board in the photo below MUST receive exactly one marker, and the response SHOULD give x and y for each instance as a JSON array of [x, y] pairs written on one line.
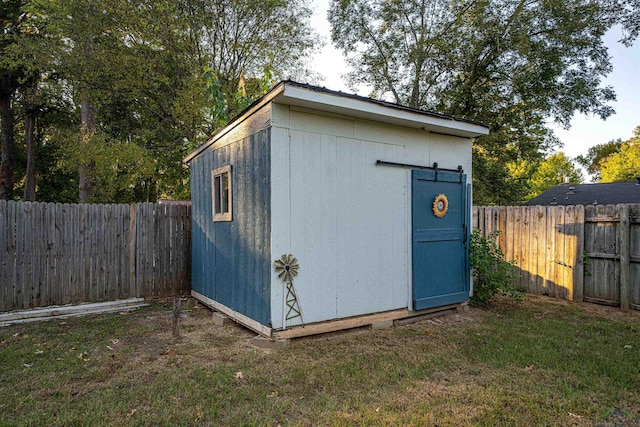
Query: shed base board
[[399, 316], [238, 317], [337, 325]]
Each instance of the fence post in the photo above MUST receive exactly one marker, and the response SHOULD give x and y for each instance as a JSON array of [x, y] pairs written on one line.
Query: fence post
[[624, 257]]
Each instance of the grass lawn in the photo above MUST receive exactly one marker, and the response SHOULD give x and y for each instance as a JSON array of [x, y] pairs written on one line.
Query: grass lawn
[[538, 362]]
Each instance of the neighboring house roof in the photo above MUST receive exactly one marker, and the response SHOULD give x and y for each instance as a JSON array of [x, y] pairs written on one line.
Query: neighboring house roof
[[611, 193], [318, 98]]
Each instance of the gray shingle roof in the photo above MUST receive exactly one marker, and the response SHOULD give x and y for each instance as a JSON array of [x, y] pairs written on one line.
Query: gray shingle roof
[[611, 193]]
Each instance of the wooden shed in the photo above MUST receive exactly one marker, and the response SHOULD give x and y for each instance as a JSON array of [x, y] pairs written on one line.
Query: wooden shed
[[315, 210]]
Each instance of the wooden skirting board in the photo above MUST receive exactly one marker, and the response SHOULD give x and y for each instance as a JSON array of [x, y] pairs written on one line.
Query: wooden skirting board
[[337, 325], [397, 316], [318, 328], [238, 317]]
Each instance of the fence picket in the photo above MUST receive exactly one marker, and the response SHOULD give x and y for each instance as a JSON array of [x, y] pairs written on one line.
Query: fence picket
[[53, 254]]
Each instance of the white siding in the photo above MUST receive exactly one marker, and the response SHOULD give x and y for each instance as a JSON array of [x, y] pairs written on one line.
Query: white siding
[[344, 218]]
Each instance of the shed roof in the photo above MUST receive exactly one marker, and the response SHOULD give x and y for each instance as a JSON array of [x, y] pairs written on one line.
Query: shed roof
[[318, 98], [611, 193]]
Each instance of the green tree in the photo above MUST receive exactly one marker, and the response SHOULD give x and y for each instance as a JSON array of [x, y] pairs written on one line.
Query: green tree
[[512, 65], [594, 158], [623, 165], [135, 72], [11, 17], [554, 170]]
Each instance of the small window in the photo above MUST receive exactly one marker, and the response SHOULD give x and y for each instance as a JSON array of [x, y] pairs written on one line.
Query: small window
[[221, 187]]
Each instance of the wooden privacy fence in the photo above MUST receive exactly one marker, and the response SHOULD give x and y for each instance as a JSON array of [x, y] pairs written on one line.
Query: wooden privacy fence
[[578, 253], [53, 253]]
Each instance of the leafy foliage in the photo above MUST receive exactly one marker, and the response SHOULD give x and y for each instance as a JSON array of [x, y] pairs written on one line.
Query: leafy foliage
[[592, 161], [554, 170], [512, 65], [625, 164], [135, 70], [492, 274]]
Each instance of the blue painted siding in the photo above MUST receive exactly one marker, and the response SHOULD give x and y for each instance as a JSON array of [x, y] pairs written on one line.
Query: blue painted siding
[[231, 261]]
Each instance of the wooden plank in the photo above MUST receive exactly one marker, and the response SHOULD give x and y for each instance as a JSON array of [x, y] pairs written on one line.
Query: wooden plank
[[169, 245], [603, 218], [634, 257], [238, 317], [569, 258], [114, 253], [502, 226], [139, 244], [155, 249], [518, 238], [549, 265], [87, 239], [338, 325], [95, 244], [4, 256], [540, 233], [487, 222], [20, 282], [179, 249], [59, 255], [123, 258], [578, 272], [598, 245], [13, 261], [185, 218], [36, 236], [623, 211], [74, 255], [532, 251], [475, 211], [559, 260], [69, 252], [167, 283], [146, 248], [158, 250], [51, 254], [525, 281], [105, 248], [108, 252], [600, 255], [589, 230], [612, 268], [29, 253], [133, 290]]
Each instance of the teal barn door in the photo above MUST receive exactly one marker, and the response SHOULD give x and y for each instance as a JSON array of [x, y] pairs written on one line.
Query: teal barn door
[[440, 254]]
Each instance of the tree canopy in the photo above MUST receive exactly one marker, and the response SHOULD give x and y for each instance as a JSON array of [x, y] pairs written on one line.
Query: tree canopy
[[512, 64], [592, 161], [131, 85], [554, 170], [623, 165]]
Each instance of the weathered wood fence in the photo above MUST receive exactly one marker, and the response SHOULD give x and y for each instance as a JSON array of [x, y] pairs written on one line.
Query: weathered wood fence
[[578, 253], [53, 253]]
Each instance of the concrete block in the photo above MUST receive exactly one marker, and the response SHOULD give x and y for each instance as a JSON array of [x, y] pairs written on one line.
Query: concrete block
[[219, 319], [382, 325], [462, 308], [263, 342]]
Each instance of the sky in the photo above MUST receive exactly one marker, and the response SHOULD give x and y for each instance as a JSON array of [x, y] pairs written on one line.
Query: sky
[[585, 131]]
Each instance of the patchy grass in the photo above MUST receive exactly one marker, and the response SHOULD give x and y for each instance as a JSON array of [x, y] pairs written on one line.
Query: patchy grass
[[540, 362]]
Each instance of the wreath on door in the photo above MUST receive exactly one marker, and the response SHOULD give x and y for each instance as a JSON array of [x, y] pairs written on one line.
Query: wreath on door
[[440, 205]]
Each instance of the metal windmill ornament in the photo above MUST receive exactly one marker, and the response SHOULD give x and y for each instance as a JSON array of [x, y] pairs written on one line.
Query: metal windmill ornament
[[287, 268]]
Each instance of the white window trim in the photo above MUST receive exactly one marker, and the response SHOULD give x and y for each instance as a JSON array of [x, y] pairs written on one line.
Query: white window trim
[[224, 216]]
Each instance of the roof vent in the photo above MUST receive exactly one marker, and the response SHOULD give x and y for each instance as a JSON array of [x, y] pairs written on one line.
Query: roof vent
[[571, 190], [595, 202], [554, 201]]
